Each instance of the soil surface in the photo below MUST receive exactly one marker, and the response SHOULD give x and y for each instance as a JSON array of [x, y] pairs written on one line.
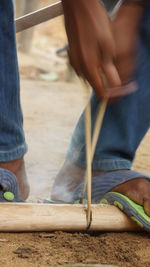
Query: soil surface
[[55, 249], [51, 107]]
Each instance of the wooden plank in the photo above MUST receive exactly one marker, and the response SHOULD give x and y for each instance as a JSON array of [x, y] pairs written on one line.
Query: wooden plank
[[24, 217], [40, 16]]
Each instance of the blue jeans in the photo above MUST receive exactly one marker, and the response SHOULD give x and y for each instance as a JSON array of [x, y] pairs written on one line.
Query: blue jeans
[[125, 122], [12, 140]]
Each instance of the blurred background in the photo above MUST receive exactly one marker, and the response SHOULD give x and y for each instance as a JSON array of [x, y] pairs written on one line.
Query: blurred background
[[44, 40], [52, 100]]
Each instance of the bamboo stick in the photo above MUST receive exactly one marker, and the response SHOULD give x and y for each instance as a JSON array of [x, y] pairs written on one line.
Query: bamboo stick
[[98, 125], [29, 217], [88, 178], [90, 149], [91, 142]]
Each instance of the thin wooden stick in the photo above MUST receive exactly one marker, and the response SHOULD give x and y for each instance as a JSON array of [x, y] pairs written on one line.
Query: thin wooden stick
[[88, 160], [90, 149], [96, 134], [98, 125]]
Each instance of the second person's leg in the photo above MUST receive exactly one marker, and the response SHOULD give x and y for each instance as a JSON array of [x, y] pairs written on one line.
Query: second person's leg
[[12, 140]]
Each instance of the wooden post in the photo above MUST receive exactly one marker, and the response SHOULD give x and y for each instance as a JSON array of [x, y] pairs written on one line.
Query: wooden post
[[42, 15], [29, 217]]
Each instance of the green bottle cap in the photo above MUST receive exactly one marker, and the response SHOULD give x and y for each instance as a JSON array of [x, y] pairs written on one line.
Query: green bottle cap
[[9, 196]]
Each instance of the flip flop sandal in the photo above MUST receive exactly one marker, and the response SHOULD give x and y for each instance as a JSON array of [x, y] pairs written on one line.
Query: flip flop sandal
[[133, 210], [8, 186], [104, 183]]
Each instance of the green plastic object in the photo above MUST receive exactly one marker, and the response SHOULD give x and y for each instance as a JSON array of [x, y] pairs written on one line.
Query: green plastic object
[[138, 208], [9, 196]]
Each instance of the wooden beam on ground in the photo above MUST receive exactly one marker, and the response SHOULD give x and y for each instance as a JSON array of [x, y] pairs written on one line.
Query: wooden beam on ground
[[29, 217], [39, 16]]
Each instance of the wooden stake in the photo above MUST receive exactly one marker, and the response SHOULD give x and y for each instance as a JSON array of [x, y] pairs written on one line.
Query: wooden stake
[[39, 16], [24, 217]]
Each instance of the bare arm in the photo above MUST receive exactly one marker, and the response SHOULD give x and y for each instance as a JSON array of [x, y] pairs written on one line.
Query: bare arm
[[91, 43], [126, 30]]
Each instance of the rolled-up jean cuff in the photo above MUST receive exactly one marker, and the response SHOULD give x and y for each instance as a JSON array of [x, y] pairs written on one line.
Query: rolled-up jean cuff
[[101, 164], [13, 154]]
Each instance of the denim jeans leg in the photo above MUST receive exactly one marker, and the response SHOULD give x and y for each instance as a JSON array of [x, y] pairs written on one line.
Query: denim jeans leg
[[125, 122], [12, 140]]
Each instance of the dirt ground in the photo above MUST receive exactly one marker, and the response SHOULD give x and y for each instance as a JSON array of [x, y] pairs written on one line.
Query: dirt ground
[[55, 249], [52, 99]]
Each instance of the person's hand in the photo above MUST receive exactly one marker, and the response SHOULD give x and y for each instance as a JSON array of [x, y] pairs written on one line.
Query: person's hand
[[91, 44], [126, 28]]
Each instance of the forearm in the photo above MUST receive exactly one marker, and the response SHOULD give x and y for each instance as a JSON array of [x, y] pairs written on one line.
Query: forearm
[[78, 3], [132, 11], [141, 2], [80, 13], [71, 6]]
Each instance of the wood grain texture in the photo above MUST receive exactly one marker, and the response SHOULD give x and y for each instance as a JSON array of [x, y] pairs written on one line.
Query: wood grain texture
[[39, 16], [29, 217]]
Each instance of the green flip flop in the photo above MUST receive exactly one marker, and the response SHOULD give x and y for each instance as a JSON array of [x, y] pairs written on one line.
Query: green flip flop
[[134, 211]]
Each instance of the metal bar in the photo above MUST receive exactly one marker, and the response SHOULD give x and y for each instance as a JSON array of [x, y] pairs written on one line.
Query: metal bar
[[39, 16]]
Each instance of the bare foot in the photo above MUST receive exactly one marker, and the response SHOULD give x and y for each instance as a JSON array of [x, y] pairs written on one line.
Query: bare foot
[[18, 168], [138, 190]]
